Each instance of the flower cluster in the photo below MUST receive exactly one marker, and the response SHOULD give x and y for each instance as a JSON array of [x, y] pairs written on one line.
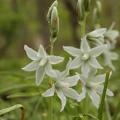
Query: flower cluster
[[84, 62]]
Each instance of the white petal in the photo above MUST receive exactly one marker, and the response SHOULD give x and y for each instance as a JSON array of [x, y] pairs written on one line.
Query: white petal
[[109, 92], [97, 51], [72, 81], [71, 93], [82, 95], [50, 72], [41, 52], [66, 71], [40, 72], [99, 79], [85, 69], [112, 34], [98, 32], [32, 54], [95, 98], [72, 51], [31, 66], [94, 63], [76, 63], [55, 59], [84, 45], [62, 98], [100, 88], [49, 92]]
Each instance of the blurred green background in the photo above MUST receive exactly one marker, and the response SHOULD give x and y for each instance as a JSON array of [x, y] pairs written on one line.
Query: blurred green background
[[24, 22]]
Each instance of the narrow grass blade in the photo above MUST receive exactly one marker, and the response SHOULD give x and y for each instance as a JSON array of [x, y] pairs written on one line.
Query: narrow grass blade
[[9, 109]]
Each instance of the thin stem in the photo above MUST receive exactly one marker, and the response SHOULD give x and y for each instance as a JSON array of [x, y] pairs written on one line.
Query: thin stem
[[100, 110], [83, 25], [22, 113], [51, 82]]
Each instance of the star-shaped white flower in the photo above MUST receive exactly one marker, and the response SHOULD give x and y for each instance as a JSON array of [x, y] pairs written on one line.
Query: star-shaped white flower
[[85, 57], [62, 86], [93, 86], [41, 62]]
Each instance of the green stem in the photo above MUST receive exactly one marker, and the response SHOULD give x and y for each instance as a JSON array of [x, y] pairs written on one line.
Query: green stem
[[100, 110], [83, 26], [51, 82]]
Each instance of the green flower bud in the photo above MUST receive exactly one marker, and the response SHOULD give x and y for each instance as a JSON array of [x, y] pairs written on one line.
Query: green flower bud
[[55, 4], [54, 22], [87, 5], [80, 10], [98, 6]]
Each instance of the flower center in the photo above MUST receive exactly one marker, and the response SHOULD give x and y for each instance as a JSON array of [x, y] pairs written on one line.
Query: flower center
[[85, 56]]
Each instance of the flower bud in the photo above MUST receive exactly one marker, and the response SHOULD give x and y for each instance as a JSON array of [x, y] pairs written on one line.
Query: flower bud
[[98, 6], [55, 4], [87, 5], [80, 10], [54, 22]]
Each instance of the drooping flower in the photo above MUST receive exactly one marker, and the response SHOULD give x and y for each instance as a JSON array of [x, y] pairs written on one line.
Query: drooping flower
[[97, 36], [41, 62], [111, 36], [63, 86], [110, 56], [93, 86], [85, 57]]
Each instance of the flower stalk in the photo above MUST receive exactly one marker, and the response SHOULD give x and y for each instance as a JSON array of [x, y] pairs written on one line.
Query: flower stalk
[[102, 104]]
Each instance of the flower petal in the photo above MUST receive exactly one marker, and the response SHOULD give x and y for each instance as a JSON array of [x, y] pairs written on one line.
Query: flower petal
[[66, 71], [94, 63], [85, 69], [31, 66], [72, 50], [84, 45], [109, 93], [100, 88], [62, 98], [41, 52], [55, 59], [32, 54], [95, 98], [71, 93], [76, 63], [99, 79], [97, 51], [72, 81], [98, 32], [50, 72], [49, 92], [40, 72]]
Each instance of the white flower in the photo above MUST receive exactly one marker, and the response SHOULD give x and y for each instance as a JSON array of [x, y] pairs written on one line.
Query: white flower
[[41, 62], [93, 86], [62, 86], [85, 57], [112, 35], [109, 56], [97, 36]]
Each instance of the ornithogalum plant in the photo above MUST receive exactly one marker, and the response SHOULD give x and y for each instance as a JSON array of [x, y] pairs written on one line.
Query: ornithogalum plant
[[84, 62]]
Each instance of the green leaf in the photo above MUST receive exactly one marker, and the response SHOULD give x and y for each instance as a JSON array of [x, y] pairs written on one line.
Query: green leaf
[[9, 109]]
